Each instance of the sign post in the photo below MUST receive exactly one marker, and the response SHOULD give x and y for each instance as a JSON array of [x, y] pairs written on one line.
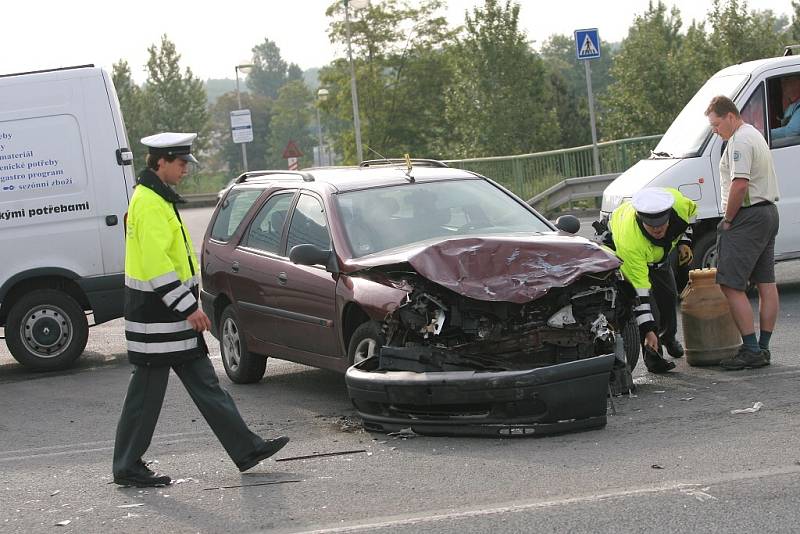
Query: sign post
[[587, 46], [242, 130], [291, 153]]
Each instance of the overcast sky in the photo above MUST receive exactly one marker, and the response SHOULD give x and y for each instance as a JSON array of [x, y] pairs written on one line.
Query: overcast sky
[[213, 37]]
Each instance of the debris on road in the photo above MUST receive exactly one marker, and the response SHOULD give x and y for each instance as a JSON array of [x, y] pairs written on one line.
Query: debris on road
[[404, 433], [657, 466], [56, 492], [698, 493], [756, 407], [131, 505], [251, 485], [63, 523], [687, 398], [319, 455]]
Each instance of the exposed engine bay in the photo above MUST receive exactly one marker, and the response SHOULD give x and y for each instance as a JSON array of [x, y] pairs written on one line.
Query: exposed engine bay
[[437, 329]]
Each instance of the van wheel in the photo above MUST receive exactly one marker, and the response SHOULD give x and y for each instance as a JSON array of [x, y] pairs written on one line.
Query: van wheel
[[630, 341], [705, 251], [365, 343], [46, 330], [241, 365]]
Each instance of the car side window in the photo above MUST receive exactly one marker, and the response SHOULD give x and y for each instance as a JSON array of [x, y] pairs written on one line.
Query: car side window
[[232, 211], [754, 111], [267, 228], [308, 225], [784, 105]]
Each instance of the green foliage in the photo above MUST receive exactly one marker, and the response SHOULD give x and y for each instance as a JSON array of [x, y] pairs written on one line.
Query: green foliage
[[290, 122], [501, 101], [401, 74], [738, 35], [270, 72]]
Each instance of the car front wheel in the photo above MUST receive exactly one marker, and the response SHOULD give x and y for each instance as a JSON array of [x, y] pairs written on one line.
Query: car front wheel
[[241, 365], [366, 342]]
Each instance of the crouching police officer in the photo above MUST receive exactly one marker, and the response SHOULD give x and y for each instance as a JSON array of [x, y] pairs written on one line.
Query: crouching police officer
[[164, 324], [644, 232]]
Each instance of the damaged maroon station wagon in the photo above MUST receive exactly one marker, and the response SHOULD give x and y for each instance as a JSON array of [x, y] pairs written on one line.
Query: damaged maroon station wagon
[[451, 305]]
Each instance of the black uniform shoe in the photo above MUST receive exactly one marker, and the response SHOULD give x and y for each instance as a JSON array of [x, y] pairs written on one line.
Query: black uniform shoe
[[674, 347], [745, 359], [655, 363], [142, 477], [266, 450]]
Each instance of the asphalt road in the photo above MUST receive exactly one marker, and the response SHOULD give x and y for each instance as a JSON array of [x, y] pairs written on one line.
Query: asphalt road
[[672, 459]]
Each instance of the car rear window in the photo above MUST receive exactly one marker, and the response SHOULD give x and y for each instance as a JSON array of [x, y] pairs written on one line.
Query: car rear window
[[230, 214]]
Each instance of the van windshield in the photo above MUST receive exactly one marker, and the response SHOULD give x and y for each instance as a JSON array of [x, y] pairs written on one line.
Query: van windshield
[[688, 132]]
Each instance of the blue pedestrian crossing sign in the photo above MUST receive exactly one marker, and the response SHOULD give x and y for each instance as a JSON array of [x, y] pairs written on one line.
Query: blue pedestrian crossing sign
[[587, 44]]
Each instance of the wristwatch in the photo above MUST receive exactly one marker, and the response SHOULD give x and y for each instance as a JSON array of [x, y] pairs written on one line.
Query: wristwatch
[[727, 220]]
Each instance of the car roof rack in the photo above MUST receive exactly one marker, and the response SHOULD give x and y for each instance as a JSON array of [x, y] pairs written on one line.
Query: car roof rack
[[256, 174], [88, 65], [791, 50], [393, 161]]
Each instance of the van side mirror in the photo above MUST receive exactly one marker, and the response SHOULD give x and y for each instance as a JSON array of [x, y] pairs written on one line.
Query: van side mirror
[[569, 224], [308, 254]]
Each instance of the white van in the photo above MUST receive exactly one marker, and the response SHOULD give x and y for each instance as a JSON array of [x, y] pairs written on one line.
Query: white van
[[65, 181], [687, 157]]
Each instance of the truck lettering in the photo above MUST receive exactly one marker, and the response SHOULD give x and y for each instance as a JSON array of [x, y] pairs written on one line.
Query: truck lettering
[[8, 215]]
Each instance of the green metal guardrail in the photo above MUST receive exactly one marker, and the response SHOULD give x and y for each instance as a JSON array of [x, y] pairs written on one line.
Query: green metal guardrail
[[530, 174]]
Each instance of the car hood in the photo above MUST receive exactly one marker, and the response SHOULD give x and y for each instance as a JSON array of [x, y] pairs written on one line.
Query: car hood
[[515, 268]]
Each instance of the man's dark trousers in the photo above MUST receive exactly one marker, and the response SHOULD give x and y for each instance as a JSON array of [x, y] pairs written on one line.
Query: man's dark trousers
[[664, 299], [143, 404]]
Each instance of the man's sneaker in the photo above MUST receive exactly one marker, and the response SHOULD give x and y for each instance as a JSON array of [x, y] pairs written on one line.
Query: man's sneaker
[[745, 359], [655, 363], [767, 355], [674, 347]]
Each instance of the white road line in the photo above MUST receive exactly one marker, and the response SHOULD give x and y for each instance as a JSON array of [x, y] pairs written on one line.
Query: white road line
[[423, 518]]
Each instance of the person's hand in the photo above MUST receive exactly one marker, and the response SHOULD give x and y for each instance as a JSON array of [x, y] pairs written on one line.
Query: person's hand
[[651, 340], [199, 320], [684, 255], [723, 225]]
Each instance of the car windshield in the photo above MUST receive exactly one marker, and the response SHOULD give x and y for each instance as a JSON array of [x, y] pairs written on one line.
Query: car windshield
[[383, 218], [690, 129]]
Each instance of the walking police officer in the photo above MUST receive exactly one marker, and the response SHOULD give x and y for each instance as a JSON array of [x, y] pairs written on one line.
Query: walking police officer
[[164, 324]]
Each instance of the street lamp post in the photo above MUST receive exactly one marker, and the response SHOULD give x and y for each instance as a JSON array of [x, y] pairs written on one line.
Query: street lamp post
[[357, 4], [322, 95], [245, 68]]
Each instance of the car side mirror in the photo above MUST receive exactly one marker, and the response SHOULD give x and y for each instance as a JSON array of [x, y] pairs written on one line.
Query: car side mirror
[[569, 224], [308, 254]]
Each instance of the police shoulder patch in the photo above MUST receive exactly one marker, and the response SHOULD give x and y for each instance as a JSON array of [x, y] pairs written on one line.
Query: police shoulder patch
[[736, 155]]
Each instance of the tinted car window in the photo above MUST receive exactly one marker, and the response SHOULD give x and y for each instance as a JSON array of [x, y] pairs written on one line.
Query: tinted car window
[[308, 224], [387, 217], [232, 211], [267, 228]]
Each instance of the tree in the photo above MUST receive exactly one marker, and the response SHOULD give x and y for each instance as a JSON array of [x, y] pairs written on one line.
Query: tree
[[270, 72], [401, 71], [291, 121], [131, 102], [501, 101], [738, 35], [175, 101]]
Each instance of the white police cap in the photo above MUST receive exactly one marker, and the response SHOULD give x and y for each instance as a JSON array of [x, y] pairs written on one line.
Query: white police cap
[[171, 144], [653, 204]]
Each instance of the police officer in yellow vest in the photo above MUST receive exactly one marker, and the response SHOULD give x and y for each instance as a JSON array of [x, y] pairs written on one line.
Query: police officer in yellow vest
[[164, 324], [644, 232]]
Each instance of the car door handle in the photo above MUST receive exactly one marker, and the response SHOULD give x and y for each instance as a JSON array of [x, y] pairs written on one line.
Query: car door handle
[[235, 267], [282, 279]]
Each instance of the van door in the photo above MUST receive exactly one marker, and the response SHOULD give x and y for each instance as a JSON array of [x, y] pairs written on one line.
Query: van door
[[786, 156]]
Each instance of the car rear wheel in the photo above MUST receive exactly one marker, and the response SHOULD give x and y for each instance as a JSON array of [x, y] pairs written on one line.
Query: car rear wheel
[[366, 342], [46, 330], [241, 365]]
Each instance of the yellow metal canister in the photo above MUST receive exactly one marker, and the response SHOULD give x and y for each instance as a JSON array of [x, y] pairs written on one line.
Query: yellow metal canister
[[709, 333]]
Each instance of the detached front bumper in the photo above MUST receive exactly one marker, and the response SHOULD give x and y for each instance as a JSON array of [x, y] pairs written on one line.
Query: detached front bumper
[[559, 398]]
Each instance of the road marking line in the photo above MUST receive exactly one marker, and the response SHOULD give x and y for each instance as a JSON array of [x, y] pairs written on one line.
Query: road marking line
[[416, 519]]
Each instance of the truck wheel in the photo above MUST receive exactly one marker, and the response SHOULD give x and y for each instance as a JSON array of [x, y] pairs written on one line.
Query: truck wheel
[[241, 365], [705, 251], [630, 341], [46, 330], [365, 343]]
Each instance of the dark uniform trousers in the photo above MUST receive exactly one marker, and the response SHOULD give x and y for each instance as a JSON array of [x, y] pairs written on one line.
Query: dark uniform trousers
[[143, 404], [664, 299]]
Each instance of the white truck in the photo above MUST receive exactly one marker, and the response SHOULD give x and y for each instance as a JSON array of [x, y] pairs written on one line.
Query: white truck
[[687, 157], [65, 181]]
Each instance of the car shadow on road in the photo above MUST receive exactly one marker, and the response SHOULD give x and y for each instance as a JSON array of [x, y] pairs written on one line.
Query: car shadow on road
[[89, 360]]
